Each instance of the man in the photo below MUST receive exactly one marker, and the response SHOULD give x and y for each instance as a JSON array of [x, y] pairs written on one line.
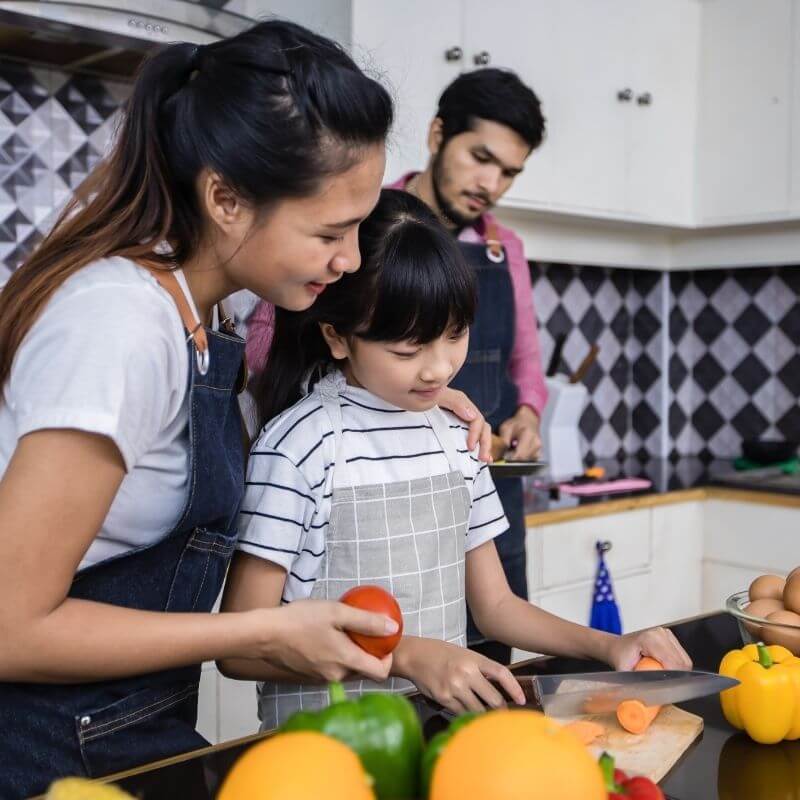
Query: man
[[487, 124]]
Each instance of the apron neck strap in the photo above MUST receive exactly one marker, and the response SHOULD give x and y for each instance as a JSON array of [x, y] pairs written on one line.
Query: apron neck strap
[[332, 404], [494, 247], [169, 283], [441, 429]]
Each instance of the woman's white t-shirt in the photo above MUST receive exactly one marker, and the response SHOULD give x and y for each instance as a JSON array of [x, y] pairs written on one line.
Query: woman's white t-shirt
[[108, 355]]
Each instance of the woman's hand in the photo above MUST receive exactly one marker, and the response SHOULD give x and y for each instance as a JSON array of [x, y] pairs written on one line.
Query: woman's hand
[[308, 637], [624, 652], [453, 676], [479, 430]]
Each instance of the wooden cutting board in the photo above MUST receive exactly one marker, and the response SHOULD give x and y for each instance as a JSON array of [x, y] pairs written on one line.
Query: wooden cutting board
[[652, 753]]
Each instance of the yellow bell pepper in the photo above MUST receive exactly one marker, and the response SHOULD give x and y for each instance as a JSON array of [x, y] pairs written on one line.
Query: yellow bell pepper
[[766, 703]]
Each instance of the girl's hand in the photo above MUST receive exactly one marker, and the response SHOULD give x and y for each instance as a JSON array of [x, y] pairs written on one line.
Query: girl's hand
[[308, 636], [479, 430], [453, 676], [624, 652]]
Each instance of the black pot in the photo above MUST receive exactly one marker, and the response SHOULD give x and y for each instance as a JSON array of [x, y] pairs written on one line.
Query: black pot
[[769, 451]]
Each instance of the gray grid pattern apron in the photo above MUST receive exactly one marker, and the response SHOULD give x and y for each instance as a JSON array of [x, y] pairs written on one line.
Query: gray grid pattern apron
[[407, 537]]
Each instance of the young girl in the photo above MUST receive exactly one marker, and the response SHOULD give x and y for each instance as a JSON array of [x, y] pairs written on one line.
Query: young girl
[[366, 480]]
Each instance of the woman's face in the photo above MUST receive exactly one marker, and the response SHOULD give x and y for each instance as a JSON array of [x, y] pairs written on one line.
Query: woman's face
[[305, 243]]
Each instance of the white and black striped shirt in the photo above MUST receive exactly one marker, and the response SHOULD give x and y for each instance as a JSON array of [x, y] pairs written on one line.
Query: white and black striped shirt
[[287, 502]]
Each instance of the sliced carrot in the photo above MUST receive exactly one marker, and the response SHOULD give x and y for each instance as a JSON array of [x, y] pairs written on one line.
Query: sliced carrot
[[586, 730], [634, 715]]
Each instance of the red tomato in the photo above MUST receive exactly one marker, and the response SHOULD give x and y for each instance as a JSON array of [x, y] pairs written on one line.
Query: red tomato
[[373, 598]]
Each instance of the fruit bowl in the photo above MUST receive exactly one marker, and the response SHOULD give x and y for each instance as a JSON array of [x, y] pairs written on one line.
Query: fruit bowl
[[757, 629]]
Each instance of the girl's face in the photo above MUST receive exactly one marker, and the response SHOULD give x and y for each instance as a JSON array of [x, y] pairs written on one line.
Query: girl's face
[[407, 375], [305, 243]]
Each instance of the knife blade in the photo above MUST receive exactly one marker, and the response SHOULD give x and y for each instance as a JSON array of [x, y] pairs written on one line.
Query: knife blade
[[601, 692]]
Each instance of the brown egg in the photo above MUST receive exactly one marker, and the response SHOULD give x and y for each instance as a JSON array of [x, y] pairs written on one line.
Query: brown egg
[[795, 571], [767, 586], [791, 593], [760, 608], [790, 639]]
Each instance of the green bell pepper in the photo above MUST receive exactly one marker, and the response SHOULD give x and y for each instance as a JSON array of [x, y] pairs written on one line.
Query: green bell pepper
[[384, 731], [435, 747]]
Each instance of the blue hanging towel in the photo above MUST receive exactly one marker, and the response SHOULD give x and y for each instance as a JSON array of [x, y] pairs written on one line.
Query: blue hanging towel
[[605, 613]]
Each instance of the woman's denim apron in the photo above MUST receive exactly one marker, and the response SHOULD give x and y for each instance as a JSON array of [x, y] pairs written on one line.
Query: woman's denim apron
[[486, 381], [94, 729]]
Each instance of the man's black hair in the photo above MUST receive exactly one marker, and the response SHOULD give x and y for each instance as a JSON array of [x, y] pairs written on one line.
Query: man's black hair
[[497, 95]]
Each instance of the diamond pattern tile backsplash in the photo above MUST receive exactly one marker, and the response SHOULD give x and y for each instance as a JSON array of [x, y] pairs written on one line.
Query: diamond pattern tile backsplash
[[54, 127], [689, 363]]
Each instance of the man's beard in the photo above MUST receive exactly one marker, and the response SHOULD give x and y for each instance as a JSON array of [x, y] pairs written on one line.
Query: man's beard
[[446, 210]]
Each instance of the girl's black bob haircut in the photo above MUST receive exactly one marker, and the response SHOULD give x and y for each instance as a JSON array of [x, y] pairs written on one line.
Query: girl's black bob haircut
[[413, 285]]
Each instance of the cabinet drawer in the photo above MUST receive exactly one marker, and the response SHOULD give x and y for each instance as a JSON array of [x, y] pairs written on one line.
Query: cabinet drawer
[[564, 553], [633, 599]]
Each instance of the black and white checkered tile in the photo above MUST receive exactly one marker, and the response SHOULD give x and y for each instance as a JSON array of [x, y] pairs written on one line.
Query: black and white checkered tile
[[735, 358], [714, 353], [619, 310], [53, 129]]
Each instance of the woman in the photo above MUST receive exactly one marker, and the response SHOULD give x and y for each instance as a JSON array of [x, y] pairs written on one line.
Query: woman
[[248, 163]]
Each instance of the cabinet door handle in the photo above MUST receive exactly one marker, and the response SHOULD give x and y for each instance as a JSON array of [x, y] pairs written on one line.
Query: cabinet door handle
[[453, 54], [482, 59], [644, 99], [625, 95]]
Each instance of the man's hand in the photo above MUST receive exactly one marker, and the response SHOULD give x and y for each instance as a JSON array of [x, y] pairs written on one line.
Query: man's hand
[[521, 435]]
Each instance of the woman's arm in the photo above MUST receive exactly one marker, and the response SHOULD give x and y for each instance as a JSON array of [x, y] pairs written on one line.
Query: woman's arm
[[502, 616], [54, 496], [255, 583]]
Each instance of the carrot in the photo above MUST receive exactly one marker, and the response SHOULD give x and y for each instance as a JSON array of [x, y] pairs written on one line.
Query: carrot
[[586, 730], [634, 715]]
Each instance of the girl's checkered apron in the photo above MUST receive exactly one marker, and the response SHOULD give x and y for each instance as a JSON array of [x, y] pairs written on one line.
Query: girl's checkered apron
[[407, 537]]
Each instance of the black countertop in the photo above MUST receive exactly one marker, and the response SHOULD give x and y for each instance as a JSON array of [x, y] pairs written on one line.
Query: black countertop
[[667, 475], [721, 763]]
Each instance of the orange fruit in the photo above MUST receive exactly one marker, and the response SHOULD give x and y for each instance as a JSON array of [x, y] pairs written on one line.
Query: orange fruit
[[516, 755], [302, 765]]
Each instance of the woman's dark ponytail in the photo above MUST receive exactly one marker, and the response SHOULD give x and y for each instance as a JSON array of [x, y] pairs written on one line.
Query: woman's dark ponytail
[[272, 111]]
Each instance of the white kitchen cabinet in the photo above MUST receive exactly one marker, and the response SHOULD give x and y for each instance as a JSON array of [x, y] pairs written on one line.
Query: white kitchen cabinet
[[238, 714], [602, 155], [410, 47], [207, 704], [744, 130], [555, 48], [564, 554]]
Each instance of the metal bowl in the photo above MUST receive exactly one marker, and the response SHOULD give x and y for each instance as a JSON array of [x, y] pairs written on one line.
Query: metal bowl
[[757, 629]]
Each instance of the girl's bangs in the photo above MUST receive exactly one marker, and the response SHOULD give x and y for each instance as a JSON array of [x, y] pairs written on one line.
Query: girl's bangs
[[424, 289]]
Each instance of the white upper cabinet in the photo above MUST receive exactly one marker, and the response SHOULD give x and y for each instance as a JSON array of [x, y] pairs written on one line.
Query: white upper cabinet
[[415, 48], [555, 49], [676, 113], [617, 80], [745, 110]]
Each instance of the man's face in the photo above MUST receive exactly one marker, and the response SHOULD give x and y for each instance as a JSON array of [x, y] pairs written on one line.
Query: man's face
[[474, 169]]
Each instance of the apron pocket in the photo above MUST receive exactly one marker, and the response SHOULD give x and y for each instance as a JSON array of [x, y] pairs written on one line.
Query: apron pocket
[[201, 571], [142, 727]]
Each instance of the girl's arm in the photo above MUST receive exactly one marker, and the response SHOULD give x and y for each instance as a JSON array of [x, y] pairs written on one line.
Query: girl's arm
[[504, 617], [54, 496]]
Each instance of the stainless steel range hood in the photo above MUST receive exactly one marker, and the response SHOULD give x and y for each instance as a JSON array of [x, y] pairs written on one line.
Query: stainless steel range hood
[[104, 37]]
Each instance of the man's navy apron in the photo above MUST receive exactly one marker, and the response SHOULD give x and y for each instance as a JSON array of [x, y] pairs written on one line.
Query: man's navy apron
[[485, 379], [94, 729]]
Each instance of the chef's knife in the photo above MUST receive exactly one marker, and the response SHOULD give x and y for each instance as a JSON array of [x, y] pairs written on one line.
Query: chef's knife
[[601, 692]]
